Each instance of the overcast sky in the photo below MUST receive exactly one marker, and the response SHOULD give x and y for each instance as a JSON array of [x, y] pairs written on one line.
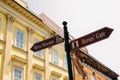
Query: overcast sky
[[84, 17]]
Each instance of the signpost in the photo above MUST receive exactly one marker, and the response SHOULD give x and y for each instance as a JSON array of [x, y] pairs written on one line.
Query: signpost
[[47, 43], [75, 44], [91, 38], [67, 49]]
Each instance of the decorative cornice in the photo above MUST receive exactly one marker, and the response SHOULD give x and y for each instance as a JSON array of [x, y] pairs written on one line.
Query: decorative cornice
[[56, 73], [10, 18], [30, 30], [27, 13], [38, 67], [17, 58]]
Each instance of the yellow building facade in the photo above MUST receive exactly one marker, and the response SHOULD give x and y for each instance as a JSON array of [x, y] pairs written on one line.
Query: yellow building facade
[[20, 28]]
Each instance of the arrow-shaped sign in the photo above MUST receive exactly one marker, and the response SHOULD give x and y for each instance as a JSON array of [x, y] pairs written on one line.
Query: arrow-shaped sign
[[77, 43], [47, 43], [91, 38]]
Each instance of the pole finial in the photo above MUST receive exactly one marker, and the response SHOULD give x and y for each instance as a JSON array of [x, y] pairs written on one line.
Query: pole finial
[[64, 23]]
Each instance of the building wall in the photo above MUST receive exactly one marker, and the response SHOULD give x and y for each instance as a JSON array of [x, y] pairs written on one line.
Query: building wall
[[23, 60], [14, 58], [89, 73], [2, 41]]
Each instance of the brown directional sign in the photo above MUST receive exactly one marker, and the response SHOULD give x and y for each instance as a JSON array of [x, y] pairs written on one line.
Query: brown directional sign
[[91, 38], [47, 43]]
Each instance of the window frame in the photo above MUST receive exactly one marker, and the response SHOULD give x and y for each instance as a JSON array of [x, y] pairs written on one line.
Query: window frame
[[55, 57], [22, 74], [22, 43], [38, 75]]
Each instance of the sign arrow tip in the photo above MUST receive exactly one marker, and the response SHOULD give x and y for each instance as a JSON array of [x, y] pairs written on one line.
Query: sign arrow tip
[[108, 31]]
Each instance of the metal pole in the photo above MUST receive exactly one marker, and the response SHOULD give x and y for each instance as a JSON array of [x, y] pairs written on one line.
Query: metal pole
[[67, 49]]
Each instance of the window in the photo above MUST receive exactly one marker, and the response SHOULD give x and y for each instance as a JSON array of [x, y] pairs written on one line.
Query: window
[[65, 62], [93, 76], [38, 77], [38, 53], [18, 74], [19, 39], [55, 56]]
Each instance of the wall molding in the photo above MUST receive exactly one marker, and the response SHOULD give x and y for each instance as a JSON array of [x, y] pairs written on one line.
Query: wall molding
[[38, 67], [19, 59], [56, 73]]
